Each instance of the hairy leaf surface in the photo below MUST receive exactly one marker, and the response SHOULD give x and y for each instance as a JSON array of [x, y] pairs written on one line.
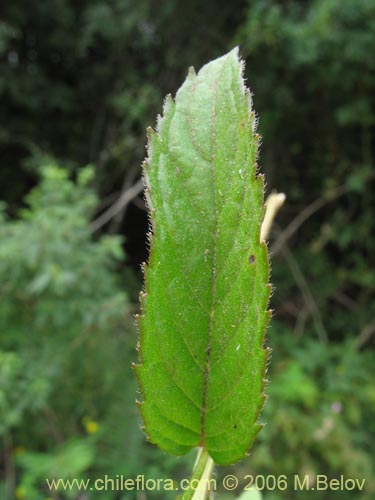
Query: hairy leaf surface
[[204, 307]]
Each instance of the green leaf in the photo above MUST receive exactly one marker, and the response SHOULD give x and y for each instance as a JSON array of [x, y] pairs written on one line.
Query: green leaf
[[204, 308]]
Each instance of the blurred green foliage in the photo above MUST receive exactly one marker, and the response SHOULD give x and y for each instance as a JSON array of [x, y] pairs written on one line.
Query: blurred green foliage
[[79, 82]]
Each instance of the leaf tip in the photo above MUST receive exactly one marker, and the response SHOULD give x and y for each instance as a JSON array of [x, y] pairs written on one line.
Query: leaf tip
[[234, 52]]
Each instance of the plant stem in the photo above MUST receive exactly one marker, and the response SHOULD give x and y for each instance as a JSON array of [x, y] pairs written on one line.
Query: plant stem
[[201, 474]]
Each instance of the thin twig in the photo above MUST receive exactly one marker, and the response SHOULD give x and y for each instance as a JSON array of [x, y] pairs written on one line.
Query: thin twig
[[128, 181], [344, 300], [303, 216], [306, 292], [365, 334], [119, 205], [107, 200]]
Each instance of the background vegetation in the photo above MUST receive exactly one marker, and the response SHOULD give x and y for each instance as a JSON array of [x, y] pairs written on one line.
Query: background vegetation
[[79, 83]]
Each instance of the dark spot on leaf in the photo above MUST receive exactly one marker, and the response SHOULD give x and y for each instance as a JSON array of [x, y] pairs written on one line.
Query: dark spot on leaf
[[235, 426], [251, 259]]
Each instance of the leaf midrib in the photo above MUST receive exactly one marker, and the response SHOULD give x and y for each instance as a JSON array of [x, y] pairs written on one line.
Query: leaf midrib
[[214, 275]]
